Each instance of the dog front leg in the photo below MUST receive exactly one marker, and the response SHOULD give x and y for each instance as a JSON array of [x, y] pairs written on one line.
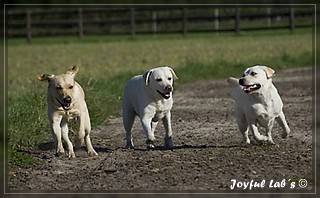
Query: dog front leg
[[146, 125], [167, 126], [56, 133], [283, 123], [65, 136], [256, 134]]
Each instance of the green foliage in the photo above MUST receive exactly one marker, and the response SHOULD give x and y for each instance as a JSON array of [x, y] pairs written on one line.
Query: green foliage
[[27, 120], [19, 159], [104, 97], [107, 64]]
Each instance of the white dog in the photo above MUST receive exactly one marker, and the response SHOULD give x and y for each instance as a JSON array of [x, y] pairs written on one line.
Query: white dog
[[150, 97], [65, 103], [257, 101]]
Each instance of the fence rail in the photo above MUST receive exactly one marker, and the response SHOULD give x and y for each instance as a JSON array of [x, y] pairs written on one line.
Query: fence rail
[[31, 23]]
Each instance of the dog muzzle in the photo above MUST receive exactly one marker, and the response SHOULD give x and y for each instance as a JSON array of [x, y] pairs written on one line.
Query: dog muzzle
[[64, 105], [164, 95], [251, 88]]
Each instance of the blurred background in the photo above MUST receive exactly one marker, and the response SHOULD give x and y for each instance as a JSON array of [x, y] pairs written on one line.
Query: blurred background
[[30, 22]]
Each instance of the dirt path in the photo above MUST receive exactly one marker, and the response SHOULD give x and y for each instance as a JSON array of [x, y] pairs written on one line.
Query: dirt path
[[208, 153]]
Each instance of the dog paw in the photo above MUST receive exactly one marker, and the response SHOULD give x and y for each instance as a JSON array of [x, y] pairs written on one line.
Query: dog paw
[[129, 146], [246, 142], [150, 144], [71, 155], [92, 153], [60, 153], [271, 142], [168, 143], [285, 135]]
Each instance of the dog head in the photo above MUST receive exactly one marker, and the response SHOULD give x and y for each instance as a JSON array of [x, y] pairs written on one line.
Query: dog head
[[160, 80], [256, 77], [61, 87]]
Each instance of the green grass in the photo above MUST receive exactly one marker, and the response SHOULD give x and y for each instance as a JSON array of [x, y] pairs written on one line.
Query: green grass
[[107, 63]]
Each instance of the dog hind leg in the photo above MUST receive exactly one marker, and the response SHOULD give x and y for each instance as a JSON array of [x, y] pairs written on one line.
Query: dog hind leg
[[269, 129], [79, 138], [243, 127], [87, 130], [283, 123], [128, 120], [91, 151]]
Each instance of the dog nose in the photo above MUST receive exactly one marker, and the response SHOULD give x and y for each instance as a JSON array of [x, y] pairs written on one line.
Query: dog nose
[[168, 88], [67, 99], [241, 81]]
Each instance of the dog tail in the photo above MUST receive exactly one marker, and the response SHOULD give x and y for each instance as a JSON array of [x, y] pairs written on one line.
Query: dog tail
[[233, 81]]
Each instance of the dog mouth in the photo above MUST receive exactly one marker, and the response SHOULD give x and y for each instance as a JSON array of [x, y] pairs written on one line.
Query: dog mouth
[[250, 88], [164, 95], [65, 106]]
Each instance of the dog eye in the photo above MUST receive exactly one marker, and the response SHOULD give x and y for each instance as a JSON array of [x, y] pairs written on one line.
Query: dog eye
[[59, 87], [71, 87], [253, 73], [158, 79], [169, 78]]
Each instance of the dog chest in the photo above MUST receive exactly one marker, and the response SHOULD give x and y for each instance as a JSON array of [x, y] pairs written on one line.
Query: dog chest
[[263, 114], [70, 116], [159, 115]]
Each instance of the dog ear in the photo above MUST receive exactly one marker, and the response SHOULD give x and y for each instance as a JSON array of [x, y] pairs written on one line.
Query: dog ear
[[45, 77], [270, 72], [146, 76], [73, 71], [172, 72]]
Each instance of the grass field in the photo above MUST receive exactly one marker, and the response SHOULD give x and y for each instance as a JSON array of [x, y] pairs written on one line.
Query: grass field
[[106, 63]]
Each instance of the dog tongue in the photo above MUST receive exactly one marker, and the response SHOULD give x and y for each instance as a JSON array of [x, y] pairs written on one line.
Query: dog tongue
[[66, 106]]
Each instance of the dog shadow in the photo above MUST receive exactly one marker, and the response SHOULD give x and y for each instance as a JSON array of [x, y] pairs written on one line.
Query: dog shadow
[[184, 146], [48, 146]]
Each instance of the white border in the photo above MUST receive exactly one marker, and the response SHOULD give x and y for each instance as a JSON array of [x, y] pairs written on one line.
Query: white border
[[173, 193]]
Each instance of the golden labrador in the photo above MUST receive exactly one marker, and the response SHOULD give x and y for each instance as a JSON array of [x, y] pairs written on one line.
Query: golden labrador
[[66, 102]]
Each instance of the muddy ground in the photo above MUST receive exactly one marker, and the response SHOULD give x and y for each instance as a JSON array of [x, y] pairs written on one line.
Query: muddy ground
[[208, 152]]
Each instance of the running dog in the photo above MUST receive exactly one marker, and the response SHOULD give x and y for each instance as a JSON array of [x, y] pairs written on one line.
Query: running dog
[[149, 96], [66, 102], [257, 102]]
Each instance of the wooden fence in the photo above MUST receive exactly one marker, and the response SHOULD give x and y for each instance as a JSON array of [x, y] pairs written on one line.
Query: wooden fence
[[31, 23]]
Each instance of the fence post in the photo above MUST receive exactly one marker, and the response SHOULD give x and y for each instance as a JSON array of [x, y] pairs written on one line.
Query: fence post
[[154, 22], [132, 22], [269, 17], [292, 27], [29, 30], [80, 23], [184, 21], [237, 21], [216, 19]]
